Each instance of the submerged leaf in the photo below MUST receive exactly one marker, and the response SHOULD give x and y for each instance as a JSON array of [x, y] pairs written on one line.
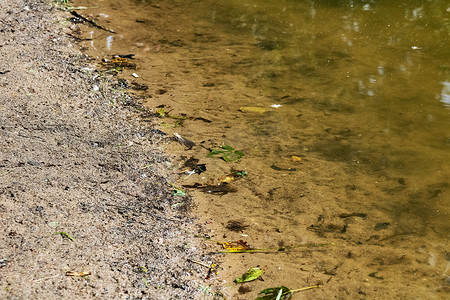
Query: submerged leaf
[[227, 153], [273, 293], [236, 246], [252, 109], [161, 112], [227, 179], [296, 158], [242, 173], [250, 275]]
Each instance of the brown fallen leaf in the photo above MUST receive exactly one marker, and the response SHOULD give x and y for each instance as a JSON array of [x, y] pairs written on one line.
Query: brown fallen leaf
[[78, 274]]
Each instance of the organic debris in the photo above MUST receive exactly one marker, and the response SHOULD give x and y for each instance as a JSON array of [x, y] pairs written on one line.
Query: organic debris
[[174, 125], [234, 175], [184, 141], [296, 158], [244, 289], [281, 293], [212, 269], [78, 274], [90, 21], [236, 226], [381, 226], [243, 247], [65, 235], [177, 191], [219, 189], [276, 168], [193, 166], [227, 153], [201, 119], [118, 61], [361, 215], [236, 246], [139, 87], [163, 114], [250, 275], [253, 109]]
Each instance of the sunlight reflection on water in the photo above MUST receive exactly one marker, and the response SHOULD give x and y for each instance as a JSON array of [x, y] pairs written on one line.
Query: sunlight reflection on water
[[445, 93]]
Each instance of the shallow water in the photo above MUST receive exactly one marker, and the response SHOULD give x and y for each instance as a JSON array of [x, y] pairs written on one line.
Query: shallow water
[[359, 90]]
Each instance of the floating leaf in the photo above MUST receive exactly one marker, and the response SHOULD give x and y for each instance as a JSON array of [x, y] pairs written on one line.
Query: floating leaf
[[227, 153], [236, 246], [273, 293], [250, 275], [77, 274]]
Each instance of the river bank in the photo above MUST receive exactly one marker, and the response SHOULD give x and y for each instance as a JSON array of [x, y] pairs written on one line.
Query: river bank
[[86, 209]]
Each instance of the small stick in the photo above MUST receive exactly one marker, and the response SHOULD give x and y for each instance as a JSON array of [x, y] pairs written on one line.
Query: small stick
[[90, 21], [200, 263]]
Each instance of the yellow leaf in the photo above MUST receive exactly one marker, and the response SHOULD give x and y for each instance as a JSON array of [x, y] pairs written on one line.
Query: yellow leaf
[[227, 179], [236, 246], [252, 109], [296, 158]]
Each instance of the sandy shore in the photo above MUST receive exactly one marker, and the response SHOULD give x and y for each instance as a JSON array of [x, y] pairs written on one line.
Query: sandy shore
[[83, 186]]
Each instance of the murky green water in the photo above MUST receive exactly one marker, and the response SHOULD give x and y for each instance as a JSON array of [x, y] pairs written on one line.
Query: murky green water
[[379, 70], [360, 90]]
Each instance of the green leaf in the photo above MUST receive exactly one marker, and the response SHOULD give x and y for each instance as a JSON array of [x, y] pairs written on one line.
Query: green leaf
[[180, 193], [273, 293], [145, 282], [161, 112], [228, 148], [65, 234], [227, 153], [250, 275], [242, 173]]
